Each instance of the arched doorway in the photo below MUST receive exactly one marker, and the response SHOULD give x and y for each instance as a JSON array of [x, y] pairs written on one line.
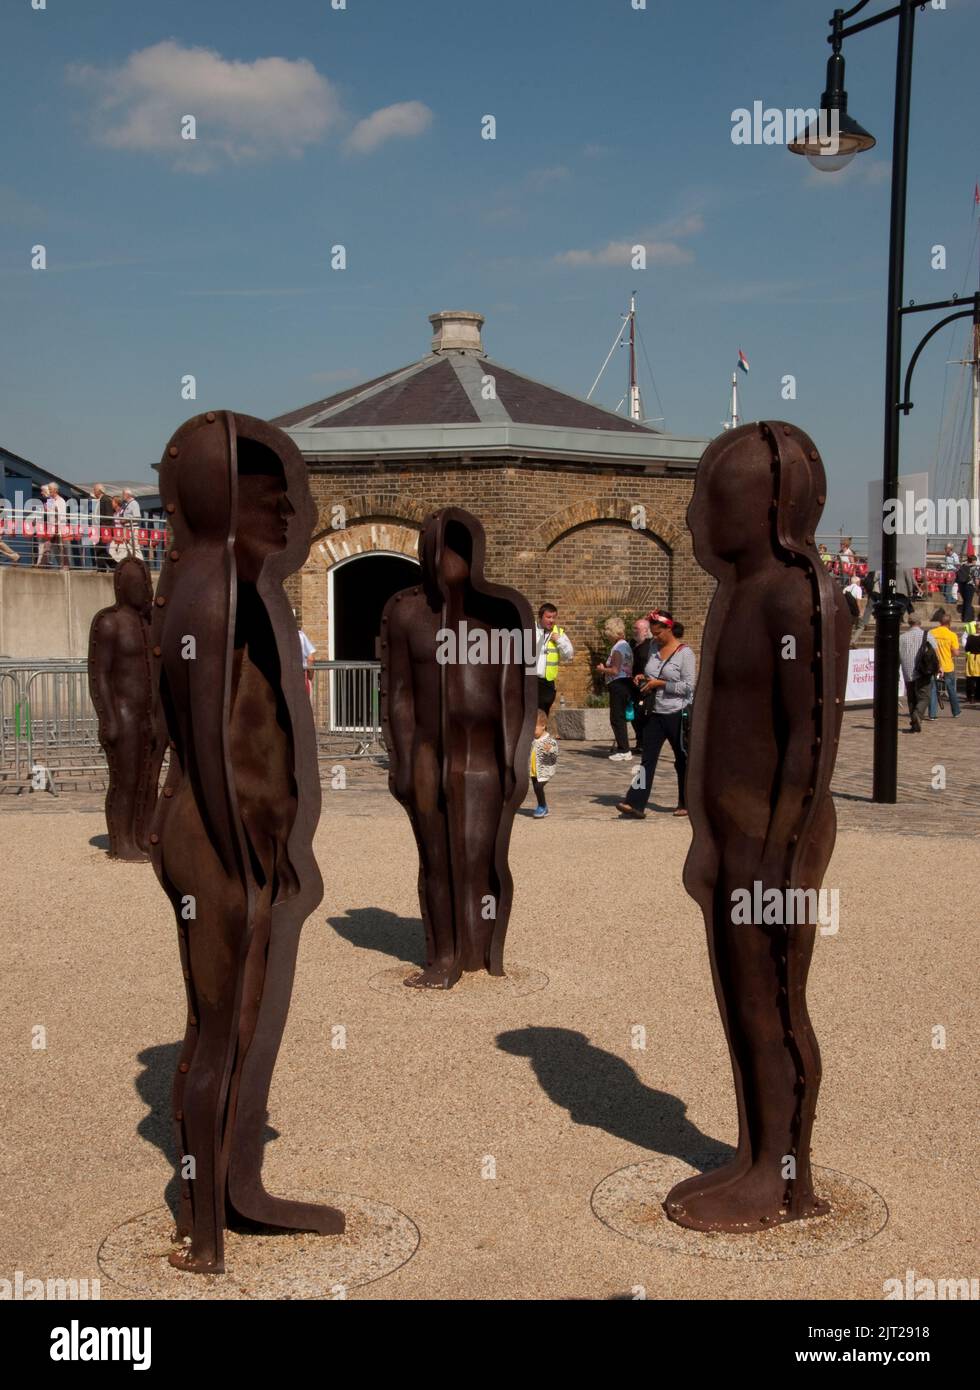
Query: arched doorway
[[358, 590]]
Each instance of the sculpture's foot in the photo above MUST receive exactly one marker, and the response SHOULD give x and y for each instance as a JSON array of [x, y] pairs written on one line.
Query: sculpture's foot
[[129, 854], [438, 975], [283, 1214], [752, 1199], [714, 1177], [186, 1259]]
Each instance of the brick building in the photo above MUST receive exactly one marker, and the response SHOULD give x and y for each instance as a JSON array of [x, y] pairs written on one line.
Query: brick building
[[582, 507]]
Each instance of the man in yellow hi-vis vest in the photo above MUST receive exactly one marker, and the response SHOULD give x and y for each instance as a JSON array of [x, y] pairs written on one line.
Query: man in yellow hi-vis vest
[[552, 647]]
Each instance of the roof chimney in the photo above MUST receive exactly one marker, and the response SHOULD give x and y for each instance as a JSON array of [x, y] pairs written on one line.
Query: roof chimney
[[456, 330]]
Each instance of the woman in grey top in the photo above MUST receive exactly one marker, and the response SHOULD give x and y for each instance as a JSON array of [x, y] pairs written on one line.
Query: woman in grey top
[[670, 675]]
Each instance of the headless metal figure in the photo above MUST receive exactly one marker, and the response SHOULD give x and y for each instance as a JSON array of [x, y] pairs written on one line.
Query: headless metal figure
[[459, 738], [122, 688], [232, 838], [766, 722]]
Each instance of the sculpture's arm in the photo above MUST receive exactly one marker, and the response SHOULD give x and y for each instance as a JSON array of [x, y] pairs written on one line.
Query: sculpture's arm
[[401, 703], [794, 706], [512, 719], [104, 637]]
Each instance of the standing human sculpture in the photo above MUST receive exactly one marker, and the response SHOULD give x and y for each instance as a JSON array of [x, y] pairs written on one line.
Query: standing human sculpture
[[121, 682], [766, 723], [232, 838], [458, 733]]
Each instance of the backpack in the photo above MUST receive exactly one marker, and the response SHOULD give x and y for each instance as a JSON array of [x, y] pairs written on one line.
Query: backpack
[[973, 644], [852, 604], [926, 661]]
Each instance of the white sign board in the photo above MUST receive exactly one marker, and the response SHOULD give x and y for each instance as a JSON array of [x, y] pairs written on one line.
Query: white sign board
[[861, 677], [912, 539]]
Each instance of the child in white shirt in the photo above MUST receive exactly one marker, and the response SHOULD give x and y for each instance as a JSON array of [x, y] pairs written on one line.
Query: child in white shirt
[[544, 761]]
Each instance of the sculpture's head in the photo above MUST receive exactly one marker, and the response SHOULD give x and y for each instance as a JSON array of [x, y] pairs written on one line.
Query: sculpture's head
[[446, 551], [757, 487], [264, 509], [132, 586], [232, 481]]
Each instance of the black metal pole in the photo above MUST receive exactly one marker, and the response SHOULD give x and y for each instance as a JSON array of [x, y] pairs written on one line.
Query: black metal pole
[[889, 614]]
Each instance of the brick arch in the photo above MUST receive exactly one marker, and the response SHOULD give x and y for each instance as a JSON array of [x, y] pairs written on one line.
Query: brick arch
[[361, 538], [370, 506], [617, 510]]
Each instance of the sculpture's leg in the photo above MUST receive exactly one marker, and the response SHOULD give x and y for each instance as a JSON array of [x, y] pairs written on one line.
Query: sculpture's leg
[[267, 987], [123, 801], [429, 818], [742, 1159], [762, 971], [475, 807], [210, 936], [200, 1129]]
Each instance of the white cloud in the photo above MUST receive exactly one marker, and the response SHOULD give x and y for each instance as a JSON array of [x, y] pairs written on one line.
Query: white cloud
[[244, 111], [404, 119], [663, 246], [871, 173]]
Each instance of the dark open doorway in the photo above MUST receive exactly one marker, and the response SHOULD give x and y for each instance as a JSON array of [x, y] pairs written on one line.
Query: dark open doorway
[[361, 588]]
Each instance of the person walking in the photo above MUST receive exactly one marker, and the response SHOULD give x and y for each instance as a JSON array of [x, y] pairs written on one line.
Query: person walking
[[552, 646], [951, 563], [617, 671], [670, 676], [947, 644], [917, 686], [643, 645], [307, 651], [103, 520], [544, 763], [967, 587], [972, 646]]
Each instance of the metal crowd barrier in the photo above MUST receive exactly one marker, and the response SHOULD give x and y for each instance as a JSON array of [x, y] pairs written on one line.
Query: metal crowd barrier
[[49, 729], [346, 698]]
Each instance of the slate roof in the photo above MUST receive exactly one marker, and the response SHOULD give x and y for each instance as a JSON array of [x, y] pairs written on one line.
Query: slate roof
[[446, 388]]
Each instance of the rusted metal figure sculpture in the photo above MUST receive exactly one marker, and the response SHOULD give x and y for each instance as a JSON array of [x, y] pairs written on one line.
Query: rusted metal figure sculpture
[[121, 683], [232, 837], [458, 707], [771, 687]]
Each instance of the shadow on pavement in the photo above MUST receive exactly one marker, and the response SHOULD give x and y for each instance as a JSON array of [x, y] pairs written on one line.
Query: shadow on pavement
[[374, 929], [153, 1086], [598, 1088]]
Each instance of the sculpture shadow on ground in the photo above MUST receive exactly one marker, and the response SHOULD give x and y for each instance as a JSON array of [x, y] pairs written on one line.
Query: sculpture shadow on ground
[[99, 841], [374, 929], [598, 1088], [154, 1086]]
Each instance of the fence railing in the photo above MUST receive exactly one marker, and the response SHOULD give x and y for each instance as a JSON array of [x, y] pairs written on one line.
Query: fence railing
[[49, 728], [79, 542]]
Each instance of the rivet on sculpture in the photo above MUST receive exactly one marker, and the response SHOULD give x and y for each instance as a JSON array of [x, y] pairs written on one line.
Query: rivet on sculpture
[[765, 728], [121, 682], [232, 840], [458, 708]]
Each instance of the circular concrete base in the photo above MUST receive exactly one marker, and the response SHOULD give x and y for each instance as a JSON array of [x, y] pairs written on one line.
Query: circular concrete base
[[277, 1264], [629, 1203], [473, 987]]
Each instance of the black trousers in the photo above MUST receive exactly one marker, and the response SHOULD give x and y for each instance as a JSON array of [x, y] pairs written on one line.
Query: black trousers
[[620, 693], [973, 687], [917, 696], [660, 729], [546, 694]]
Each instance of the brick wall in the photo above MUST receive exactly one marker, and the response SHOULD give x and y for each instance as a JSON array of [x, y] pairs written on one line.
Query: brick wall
[[593, 540]]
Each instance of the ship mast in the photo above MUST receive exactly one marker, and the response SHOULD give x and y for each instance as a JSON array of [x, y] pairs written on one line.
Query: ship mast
[[636, 405], [734, 419]]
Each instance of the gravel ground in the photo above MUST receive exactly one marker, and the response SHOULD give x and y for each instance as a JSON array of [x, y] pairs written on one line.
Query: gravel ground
[[490, 1116]]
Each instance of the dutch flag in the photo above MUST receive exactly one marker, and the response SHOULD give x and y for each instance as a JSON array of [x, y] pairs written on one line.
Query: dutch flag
[[743, 362]]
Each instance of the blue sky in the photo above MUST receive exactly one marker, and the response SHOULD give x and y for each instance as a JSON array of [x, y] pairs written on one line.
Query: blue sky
[[613, 127]]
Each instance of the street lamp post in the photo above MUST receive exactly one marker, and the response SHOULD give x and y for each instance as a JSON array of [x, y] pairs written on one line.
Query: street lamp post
[[847, 138]]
